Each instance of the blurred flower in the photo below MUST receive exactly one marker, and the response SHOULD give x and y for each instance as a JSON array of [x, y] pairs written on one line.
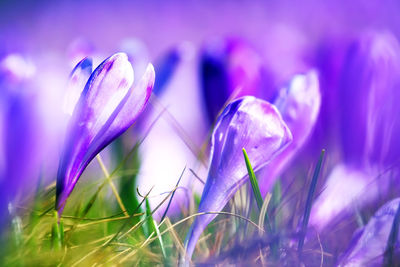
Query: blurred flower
[[371, 77], [369, 126], [299, 106], [20, 134], [106, 108], [230, 68], [248, 123], [15, 68], [370, 242], [166, 67]]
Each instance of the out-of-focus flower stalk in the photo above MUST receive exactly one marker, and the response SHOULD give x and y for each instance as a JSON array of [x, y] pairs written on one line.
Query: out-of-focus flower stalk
[[20, 132]]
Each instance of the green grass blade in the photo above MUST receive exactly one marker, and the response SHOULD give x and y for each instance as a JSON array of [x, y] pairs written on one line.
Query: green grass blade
[[309, 201], [253, 181], [390, 247], [172, 196], [154, 227], [255, 187]]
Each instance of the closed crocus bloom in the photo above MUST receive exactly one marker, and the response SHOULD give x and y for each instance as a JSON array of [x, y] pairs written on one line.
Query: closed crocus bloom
[[108, 106], [370, 242], [248, 123], [229, 68], [299, 104]]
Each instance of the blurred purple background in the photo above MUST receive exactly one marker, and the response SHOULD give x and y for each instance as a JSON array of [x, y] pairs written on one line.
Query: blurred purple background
[[43, 26]]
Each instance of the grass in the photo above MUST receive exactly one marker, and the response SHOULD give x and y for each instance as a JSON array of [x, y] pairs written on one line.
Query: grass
[[104, 224]]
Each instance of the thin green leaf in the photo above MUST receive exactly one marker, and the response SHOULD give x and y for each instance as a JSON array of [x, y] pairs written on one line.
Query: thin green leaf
[[154, 228], [263, 212], [253, 181], [309, 202], [172, 196], [256, 188]]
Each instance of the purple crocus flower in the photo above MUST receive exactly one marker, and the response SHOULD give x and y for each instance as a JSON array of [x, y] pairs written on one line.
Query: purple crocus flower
[[299, 105], [230, 68], [369, 125], [369, 243], [106, 108], [248, 123]]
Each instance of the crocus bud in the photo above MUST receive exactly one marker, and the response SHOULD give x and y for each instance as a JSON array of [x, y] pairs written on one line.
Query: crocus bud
[[369, 94], [106, 108], [229, 68], [248, 123], [299, 105], [370, 242]]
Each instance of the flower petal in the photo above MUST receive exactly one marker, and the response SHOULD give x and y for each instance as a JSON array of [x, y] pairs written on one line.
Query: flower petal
[[125, 114], [78, 78]]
